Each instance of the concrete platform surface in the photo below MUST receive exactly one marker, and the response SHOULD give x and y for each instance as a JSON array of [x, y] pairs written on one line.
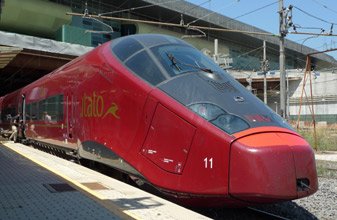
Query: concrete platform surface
[[94, 192], [26, 192], [327, 156]]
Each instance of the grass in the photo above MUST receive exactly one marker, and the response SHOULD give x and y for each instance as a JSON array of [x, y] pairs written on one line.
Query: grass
[[326, 137], [326, 169]]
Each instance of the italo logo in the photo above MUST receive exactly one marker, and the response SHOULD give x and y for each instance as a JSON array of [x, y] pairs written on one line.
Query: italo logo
[[93, 106]]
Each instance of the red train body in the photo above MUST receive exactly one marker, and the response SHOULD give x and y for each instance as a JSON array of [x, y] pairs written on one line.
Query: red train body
[[157, 109]]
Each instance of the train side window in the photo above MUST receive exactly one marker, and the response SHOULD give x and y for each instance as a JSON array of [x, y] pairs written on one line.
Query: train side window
[[8, 113], [126, 48], [42, 109], [53, 107], [27, 112], [34, 111], [142, 65], [59, 107]]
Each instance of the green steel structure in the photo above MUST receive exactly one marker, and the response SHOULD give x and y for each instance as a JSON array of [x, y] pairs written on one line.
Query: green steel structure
[[48, 19], [33, 17]]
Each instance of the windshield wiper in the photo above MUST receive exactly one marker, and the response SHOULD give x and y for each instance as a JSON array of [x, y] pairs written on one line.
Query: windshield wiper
[[175, 63]]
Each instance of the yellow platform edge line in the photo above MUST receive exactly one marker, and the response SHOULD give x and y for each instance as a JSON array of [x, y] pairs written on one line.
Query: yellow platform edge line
[[124, 214]]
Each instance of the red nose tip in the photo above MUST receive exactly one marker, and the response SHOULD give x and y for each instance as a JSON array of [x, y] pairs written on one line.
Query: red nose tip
[[270, 167]]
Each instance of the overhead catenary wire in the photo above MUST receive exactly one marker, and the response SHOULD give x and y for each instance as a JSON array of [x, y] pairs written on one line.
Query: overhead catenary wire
[[333, 65], [308, 38], [136, 8], [313, 34], [123, 3], [313, 16], [248, 65], [302, 40], [253, 11], [200, 33], [182, 14], [304, 61], [242, 31], [112, 6], [214, 29], [213, 12], [85, 15], [293, 56], [196, 6], [326, 45], [300, 33], [297, 26], [173, 24], [251, 51], [324, 6]]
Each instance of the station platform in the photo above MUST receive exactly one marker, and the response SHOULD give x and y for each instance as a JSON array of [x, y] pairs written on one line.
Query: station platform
[[327, 156], [38, 185]]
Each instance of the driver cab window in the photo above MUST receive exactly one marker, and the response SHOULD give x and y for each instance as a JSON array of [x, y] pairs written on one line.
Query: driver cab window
[[142, 65], [180, 59]]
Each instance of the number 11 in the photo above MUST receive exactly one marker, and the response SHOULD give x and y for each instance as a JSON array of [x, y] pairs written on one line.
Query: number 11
[[208, 162]]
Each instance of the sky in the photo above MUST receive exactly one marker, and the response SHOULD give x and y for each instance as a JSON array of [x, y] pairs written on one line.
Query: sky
[[307, 15]]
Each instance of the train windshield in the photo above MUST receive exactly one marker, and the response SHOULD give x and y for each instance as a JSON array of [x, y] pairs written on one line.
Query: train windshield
[[194, 80], [180, 59]]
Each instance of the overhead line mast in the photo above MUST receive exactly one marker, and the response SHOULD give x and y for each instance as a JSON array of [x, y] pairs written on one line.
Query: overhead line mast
[[285, 23]]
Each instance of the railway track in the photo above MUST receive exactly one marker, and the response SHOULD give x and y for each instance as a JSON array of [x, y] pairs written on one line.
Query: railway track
[[332, 169], [247, 213], [266, 215]]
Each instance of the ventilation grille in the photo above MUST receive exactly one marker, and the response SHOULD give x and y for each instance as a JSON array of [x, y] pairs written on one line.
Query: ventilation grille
[[223, 87]]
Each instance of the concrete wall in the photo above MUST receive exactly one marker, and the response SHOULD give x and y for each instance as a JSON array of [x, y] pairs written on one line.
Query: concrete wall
[[324, 90]]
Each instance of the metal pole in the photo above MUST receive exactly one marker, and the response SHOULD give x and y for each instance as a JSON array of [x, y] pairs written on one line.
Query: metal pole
[[264, 72], [287, 97], [282, 62], [216, 53]]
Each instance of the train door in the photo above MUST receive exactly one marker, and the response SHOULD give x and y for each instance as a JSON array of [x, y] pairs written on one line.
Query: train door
[[22, 119], [168, 141], [69, 117]]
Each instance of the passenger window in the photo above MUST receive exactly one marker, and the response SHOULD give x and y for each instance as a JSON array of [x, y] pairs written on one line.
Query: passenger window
[[34, 111], [142, 65], [42, 108], [28, 112], [52, 106], [8, 113]]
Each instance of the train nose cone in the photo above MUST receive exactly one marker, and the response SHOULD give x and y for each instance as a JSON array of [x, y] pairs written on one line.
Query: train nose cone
[[271, 167]]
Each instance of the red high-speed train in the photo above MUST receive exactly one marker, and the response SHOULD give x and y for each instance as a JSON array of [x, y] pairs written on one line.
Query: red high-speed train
[[157, 109]]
